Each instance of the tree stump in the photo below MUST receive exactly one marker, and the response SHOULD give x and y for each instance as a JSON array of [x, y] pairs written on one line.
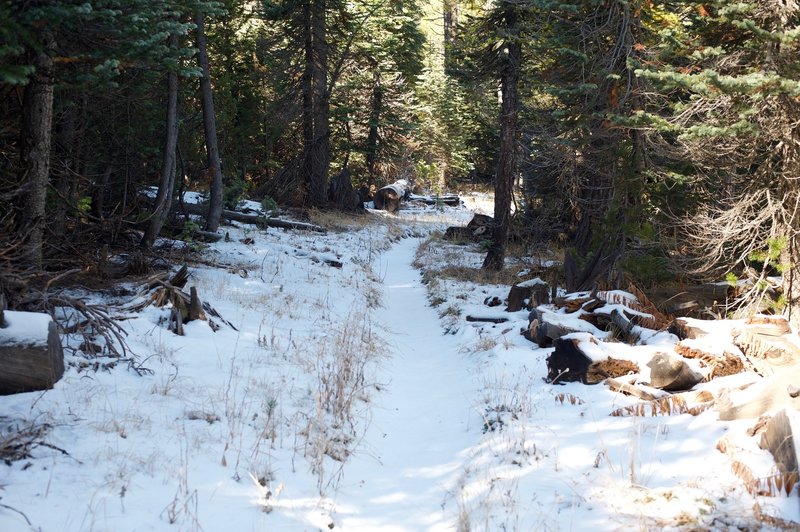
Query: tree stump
[[527, 295], [31, 356], [670, 373], [342, 194], [567, 363], [779, 440]]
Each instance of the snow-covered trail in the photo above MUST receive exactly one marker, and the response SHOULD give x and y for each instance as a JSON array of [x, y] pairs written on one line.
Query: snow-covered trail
[[412, 452]]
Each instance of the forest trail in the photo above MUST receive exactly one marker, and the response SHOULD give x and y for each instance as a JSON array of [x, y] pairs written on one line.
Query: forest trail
[[411, 455]]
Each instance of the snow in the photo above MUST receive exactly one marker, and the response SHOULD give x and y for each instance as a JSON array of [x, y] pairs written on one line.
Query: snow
[[531, 282], [25, 328], [359, 399]]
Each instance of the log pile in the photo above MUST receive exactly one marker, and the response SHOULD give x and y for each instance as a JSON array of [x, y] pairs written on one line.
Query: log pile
[[764, 346]]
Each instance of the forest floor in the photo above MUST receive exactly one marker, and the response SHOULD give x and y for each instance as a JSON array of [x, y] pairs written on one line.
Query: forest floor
[[344, 389]]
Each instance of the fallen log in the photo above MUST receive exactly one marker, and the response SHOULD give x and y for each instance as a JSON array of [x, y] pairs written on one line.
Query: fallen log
[[769, 325], [456, 233], [685, 328], [480, 224], [544, 327], [255, 219], [207, 236], [487, 319], [31, 356], [768, 353], [453, 200], [622, 326], [767, 395], [642, 392], [389, 197]]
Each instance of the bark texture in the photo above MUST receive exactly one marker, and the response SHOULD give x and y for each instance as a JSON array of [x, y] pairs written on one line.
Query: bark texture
[[507, 161], [166, 183], [210, 128], [35, 144]]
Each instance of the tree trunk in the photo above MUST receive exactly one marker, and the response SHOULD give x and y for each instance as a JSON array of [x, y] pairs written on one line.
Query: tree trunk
[[166, 183], [790, 266], [308, 99], [66, 140], [507, 161], [210, 128], [320, 148], [449, 25], [35, 142], [374, 118]]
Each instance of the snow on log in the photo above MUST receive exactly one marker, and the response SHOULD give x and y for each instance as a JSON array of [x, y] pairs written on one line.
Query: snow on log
[[31, 356], [765, 343], [389, 197], [766, 395], [544, 327], [671, 373]]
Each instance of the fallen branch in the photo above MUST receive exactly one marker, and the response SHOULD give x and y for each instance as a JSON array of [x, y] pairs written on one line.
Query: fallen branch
[[486, 319]]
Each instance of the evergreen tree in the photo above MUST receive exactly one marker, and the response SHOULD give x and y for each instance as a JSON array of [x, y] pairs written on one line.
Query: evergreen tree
[[729, 81]]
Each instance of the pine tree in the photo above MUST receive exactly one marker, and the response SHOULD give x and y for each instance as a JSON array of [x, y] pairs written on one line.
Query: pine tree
[[728, 118]]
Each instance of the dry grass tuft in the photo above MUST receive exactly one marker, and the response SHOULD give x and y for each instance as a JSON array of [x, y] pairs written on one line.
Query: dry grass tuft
[[334, 220], [18, 443], [665, 406]]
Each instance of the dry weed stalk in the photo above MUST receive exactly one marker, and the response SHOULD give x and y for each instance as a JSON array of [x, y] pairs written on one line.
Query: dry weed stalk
[[568, 398], [665, 406]]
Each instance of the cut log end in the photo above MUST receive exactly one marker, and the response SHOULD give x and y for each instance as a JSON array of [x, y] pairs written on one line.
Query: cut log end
[[25, 367]]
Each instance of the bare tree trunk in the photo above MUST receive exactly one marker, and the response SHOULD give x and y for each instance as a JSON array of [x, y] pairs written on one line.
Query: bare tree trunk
[[450, 25], [374, 119], [99, 192], [210, 128], [35, 144], [320, 148], [65, 139], [166, 183], [507, 161], [308, 99]]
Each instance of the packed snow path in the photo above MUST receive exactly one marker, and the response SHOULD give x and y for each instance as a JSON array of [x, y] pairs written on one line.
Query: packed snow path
[[401, 477]]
